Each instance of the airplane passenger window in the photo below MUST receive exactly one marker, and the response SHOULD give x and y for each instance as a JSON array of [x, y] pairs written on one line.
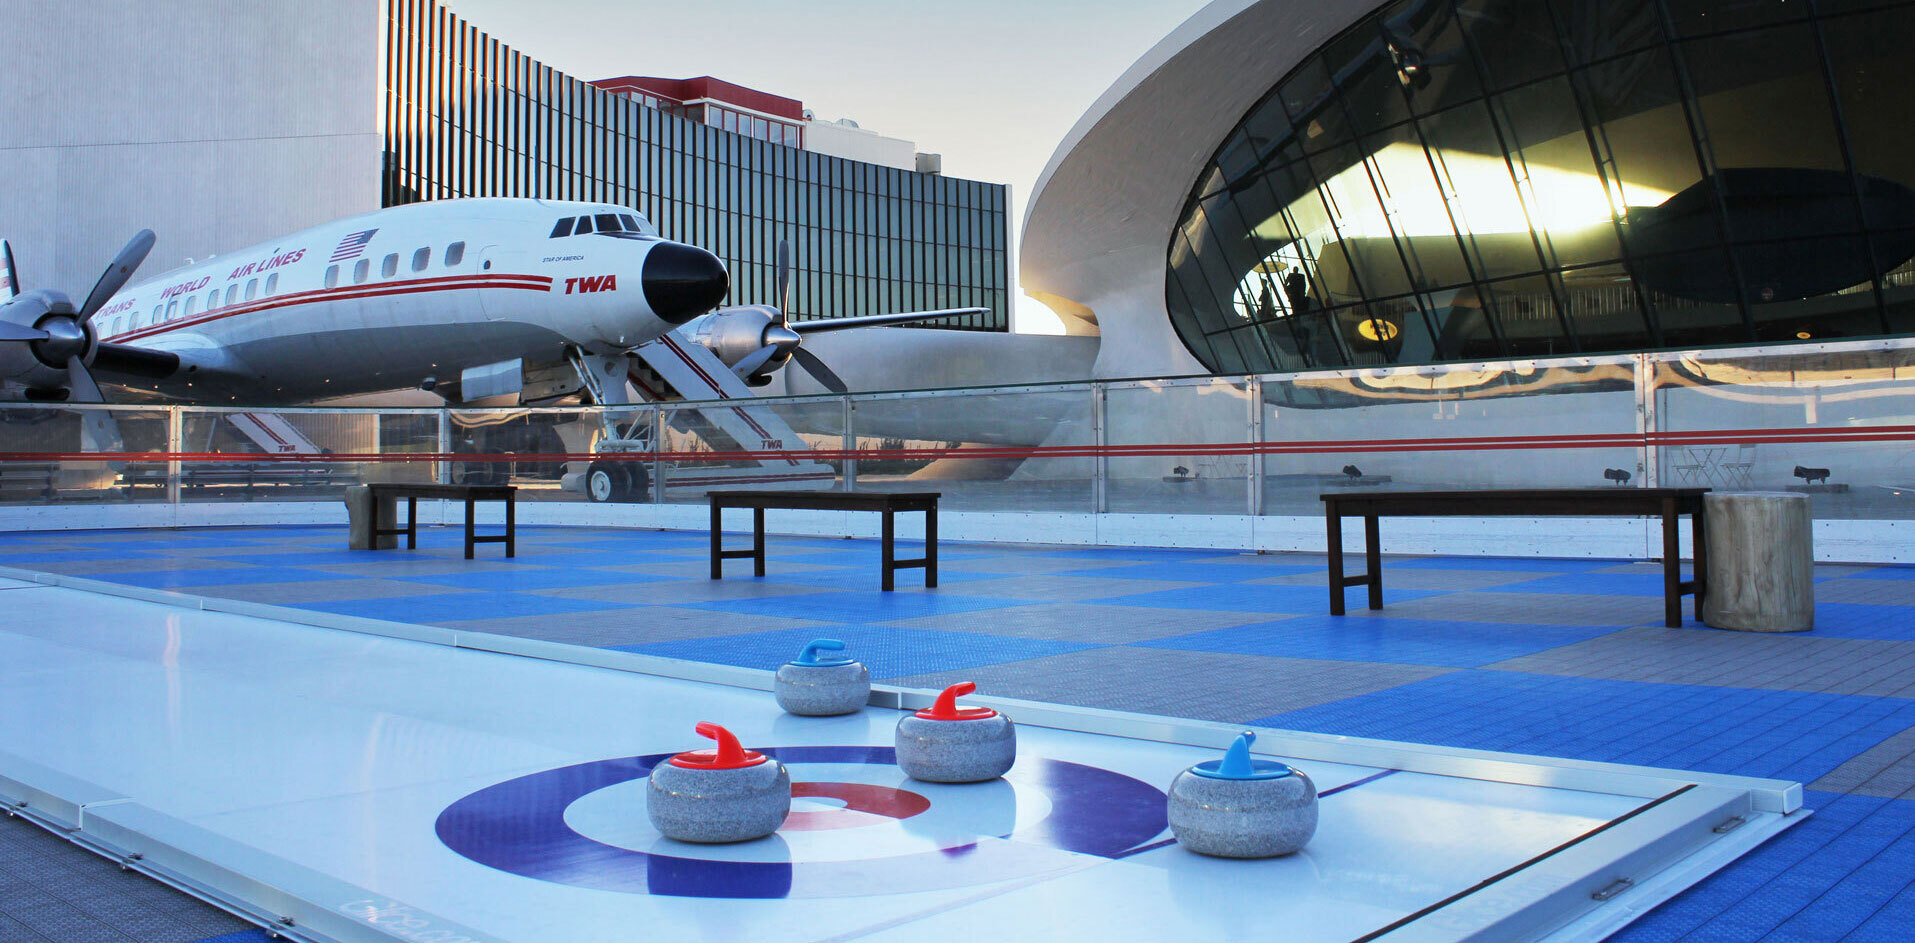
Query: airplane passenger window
[[390, 266], [421, 259], [360, 270], [332, 276], [191, 303], [584, 226], [607, 222], [171, 307], [156, 313], [212, 299], [455, 253], [232, 293], [272, 283], [562, 228]]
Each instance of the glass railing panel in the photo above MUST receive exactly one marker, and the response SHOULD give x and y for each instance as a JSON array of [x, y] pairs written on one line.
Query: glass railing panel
[[751, 445], [1545, 424], [1005, 449], [278, 455], [1178, 447], [69, 454], [548, 453], [1835, 422]]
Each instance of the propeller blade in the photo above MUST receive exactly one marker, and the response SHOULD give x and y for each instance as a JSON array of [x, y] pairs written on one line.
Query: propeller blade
[[9, 281], [9, 331], [748, 366], [116, 274], [783, 296], [873, 320], [80, 381], [818, 370]]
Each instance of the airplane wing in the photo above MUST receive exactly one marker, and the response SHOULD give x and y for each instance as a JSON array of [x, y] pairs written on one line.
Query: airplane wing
[[181, 370], [873, 320]]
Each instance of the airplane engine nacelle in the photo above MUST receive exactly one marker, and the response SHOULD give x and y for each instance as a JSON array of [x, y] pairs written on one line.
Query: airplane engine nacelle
[[732, 334]]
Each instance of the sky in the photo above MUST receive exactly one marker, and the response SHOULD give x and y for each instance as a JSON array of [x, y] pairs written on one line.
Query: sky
[[993, 85]]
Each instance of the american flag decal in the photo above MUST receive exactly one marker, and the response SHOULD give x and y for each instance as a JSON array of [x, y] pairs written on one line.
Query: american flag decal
[[351, 246]]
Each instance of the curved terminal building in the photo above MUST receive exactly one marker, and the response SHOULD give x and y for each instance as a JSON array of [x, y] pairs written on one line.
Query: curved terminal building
[[1286, 186]]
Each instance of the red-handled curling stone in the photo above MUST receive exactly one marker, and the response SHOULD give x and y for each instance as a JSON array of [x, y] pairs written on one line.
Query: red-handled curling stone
[[725, 794], [946, 743]]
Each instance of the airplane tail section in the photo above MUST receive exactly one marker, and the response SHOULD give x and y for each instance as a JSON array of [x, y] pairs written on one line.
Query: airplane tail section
[[9, 283]]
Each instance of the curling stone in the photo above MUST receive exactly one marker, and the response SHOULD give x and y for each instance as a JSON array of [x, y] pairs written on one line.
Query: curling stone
[[952, 744], [725, 794], [1239, 807], [820, 684]]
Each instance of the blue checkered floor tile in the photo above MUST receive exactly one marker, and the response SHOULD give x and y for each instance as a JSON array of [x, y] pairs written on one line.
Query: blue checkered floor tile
[[1848, 873]]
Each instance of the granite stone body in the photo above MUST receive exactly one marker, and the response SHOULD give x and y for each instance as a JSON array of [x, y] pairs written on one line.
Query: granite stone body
[[956, 751], [1761, 569], [718, 805], [822, 690], [1243, 818]]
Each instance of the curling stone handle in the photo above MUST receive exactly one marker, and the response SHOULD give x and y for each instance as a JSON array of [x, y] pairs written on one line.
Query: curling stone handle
[[946, 705], [810, 655], [730, 753]]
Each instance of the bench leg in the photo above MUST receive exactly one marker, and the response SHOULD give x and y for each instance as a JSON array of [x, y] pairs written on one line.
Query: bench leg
[[412, 523], [1699, 553], [758, 541], [1333, 523], [511, 528], [1373, 558], [890, 534], [931, 547], [1671, 566], [469, 522], [717, 562]]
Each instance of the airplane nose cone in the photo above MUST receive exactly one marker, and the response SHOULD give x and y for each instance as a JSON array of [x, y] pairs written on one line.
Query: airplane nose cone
[[683, 282]]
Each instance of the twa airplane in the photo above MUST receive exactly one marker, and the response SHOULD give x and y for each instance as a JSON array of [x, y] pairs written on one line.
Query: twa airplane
[[483, 302]]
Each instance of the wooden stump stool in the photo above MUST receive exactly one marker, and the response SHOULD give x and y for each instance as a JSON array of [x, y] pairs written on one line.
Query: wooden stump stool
[[1761, 562]]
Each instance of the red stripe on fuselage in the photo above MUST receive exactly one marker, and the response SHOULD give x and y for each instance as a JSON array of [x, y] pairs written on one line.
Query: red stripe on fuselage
[[346, 293]]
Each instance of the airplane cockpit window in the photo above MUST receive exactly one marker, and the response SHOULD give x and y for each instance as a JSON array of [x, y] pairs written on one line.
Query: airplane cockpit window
[[584, 226], [252, 288], [455, 253], [332, 276], [360, 270], [562, 228], [607, 222], [421, 259], [272, 283], [634, 224], [390, 266]]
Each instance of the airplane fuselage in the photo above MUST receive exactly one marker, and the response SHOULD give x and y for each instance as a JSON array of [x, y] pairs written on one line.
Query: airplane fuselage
[[406, 296]]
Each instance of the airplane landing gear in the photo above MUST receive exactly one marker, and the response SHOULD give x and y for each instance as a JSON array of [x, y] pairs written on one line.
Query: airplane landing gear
[[617, 481]]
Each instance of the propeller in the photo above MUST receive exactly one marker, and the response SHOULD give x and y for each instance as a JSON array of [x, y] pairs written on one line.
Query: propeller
[[782, 339], [56, 334]]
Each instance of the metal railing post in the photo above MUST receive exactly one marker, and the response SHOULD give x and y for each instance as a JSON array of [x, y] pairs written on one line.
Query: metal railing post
[[175, 444], [443, 469], [1100, 438], [1648, 457], [1254, 465], [850, 447], [658, 454]]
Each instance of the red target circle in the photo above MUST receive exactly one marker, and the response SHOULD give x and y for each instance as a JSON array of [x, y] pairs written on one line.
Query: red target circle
[[864, 804]]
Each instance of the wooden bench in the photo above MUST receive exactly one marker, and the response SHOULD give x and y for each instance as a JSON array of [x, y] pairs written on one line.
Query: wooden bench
[[1667, 503], [470, 494], [887, 504]]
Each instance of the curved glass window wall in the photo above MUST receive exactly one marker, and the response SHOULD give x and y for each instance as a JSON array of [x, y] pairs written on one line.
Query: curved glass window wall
[[1486, 179]]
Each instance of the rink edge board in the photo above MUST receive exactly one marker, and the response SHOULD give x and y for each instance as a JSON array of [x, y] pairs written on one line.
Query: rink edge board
[[1672, 841]]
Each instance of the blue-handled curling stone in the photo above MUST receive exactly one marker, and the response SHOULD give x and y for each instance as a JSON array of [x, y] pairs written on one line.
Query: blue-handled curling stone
[[726, 794], [1240, 807], [951, 744], [821, 683]]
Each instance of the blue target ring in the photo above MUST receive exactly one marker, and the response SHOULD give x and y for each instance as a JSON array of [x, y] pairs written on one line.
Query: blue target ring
[[519, 827]]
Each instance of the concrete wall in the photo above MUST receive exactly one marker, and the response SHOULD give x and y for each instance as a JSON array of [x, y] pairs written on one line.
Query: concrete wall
[[837, 140], [215, 123], [903, 358]]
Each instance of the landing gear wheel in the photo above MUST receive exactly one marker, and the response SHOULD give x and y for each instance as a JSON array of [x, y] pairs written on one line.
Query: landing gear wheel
[[638, 483], [603, 482]]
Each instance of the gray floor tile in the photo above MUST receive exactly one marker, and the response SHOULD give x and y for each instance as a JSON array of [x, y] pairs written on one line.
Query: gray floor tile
[[1025, 563], [1416, 578], [1885, 771], [305, 591], [60, 893], [633, 626], [700, 569], [686, 591], [1734, 659], [1867, 592], [1085, 622], [166, 564], [1525, 608], [399, 566], [1060, 588], [1198, 685]]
